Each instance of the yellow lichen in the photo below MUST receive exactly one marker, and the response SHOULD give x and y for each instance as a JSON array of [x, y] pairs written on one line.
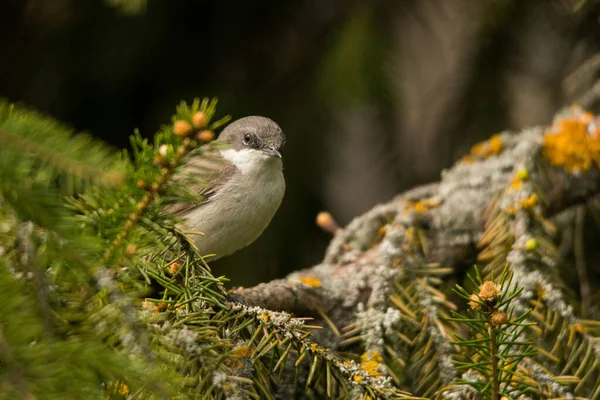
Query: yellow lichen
[[265, 318], [516, 184], [541, 292], [309, 281], [357, 378], [573, 142], [531, 244], [529, 202], [235, 362], [422, 206], [418, 207], [523, 174], [495, 145], [314, 347], [370, 362], [160, 307], [483, 150], [124, 390]]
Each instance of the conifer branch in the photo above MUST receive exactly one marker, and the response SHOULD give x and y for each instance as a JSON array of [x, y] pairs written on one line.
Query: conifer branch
[[531, 176]]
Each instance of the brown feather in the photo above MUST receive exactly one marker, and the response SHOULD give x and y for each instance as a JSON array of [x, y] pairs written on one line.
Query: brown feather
[[205, 174]]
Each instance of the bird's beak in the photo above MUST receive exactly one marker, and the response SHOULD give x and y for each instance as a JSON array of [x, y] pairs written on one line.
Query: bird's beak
[[272, 152]]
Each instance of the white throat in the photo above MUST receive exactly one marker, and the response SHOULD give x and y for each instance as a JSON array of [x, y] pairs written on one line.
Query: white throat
[[249, 161]]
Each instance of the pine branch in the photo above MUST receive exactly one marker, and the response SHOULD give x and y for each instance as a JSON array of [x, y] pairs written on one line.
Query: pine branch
[[531, 175]]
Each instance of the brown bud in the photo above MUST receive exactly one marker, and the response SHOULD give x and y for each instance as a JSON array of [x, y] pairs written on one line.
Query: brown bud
[[199, 119], [499, 318], [131, 250], [206, 136], [489, 290], [174, 268], [158, 160], [181, 128], [142, 184], [326, 222], [474, 302], [163, 150]]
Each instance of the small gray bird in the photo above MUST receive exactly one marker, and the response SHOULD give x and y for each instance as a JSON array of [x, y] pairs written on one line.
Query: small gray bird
[[242, 186]]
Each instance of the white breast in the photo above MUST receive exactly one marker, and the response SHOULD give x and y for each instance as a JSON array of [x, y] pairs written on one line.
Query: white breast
[[242, 209]]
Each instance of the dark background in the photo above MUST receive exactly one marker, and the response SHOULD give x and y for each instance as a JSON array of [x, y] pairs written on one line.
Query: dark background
[[375, 97]]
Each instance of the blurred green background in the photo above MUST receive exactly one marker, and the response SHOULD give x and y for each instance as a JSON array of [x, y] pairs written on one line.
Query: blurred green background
[[374, 96]]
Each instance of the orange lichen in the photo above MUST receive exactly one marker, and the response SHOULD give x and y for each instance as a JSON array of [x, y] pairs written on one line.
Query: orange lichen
[[308, 281], [541, 292], [160, 307], [314, 347], [516, 183], [235, 362], [483, 150], [529, 202], [579, 327], [120, 388], [123, 390], [422, 206], [242, 351], [265, 318], [370, 362], [573, 142]]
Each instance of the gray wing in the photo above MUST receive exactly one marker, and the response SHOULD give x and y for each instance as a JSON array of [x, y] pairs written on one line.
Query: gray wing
[[202, 175]]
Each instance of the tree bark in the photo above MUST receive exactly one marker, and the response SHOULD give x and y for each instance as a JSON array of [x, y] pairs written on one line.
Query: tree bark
[[451, 224]]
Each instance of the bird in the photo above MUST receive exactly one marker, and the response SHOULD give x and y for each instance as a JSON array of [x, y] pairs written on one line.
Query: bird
[[241, 183]]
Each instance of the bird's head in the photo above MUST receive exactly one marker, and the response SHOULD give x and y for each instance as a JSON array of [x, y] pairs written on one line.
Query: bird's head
[[254, 133]]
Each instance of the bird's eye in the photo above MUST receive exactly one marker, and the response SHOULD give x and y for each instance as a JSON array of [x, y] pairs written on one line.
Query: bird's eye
[[247, 138]]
